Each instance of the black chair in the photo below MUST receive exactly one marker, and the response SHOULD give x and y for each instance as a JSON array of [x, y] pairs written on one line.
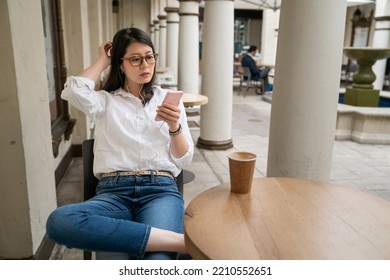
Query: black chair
[[90, 183]]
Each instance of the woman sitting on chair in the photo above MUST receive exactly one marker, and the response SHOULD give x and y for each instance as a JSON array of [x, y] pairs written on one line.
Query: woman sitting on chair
[[137, 208]]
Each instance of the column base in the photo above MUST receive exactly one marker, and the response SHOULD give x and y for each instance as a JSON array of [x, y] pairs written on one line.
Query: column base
[[214, 145], [361, 97]]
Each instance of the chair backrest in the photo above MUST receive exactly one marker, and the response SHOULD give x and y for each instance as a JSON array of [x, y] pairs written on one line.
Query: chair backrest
[[247, 73], [90, 183]]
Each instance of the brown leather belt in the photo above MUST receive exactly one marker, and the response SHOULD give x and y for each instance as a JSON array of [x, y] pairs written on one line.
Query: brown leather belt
[[139, 173]]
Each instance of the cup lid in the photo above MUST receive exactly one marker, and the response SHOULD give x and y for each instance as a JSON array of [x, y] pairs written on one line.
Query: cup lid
[[242, 156]]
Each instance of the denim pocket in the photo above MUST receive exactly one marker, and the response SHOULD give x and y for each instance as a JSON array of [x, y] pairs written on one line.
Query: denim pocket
[[165, 181], [104, 183]]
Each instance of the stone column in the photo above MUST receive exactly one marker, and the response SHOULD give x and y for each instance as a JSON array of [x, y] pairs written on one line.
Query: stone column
[[306, 88], [269, 36], [27, 192], [151, 25], [111, 23], [95, 25], [107, 20], [78, 56], [151, 30], [172, 39], [381, 38], [217, 75], [156, 41], [163, 41], [189, 46]]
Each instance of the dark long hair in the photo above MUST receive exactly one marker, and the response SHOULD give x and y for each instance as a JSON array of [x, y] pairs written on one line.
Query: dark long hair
[[116, 77]]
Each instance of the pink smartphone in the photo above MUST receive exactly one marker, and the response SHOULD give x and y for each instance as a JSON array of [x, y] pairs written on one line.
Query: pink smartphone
[[172, 97]]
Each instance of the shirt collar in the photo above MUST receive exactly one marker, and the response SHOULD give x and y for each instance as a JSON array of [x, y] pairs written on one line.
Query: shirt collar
[[123, 93]]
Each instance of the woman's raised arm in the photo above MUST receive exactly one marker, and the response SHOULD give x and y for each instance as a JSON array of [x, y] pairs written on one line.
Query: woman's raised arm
[[101, 63]]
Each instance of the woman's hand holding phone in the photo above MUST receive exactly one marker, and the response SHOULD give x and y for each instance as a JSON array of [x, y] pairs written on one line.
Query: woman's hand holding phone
[[169, 111]]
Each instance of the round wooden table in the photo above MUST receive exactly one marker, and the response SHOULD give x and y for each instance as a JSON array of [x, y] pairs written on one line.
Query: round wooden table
[[161, 70], [190, 100], [285, 218]]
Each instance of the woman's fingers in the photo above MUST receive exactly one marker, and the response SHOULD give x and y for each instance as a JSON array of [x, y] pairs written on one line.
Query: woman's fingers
[[169, 112], [105, 48], [108, 47]]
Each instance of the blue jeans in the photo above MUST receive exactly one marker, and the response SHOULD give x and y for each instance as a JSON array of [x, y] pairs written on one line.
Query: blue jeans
[[119, 218], [263, 76]]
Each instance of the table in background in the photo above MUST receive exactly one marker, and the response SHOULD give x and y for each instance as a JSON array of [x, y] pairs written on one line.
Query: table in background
[[285, 218], [262, 65], [191, 100], [161, 70]]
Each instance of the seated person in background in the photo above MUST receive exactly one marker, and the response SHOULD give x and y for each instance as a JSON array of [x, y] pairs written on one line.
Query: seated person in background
[[257, 73]]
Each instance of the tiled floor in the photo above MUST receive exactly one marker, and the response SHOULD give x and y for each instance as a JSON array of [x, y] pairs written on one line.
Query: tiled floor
[[361, 166]]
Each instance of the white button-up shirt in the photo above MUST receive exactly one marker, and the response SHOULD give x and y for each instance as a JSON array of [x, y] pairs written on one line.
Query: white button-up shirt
[[127, 138]]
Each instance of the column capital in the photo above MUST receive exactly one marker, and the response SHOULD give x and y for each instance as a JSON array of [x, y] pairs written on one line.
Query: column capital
[[189, 8], [190, 1], [156, 25], [171, 10], [189, 14], [163, 21], [382, 18], [172, 14]]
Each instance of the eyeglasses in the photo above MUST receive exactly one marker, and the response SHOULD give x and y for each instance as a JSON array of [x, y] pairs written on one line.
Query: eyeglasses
[[137, 60]]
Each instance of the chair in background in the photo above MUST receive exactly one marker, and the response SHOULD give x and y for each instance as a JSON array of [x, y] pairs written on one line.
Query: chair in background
[[247, 80], [193, 116], [90, 183], [166, 80], [238, 76]]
